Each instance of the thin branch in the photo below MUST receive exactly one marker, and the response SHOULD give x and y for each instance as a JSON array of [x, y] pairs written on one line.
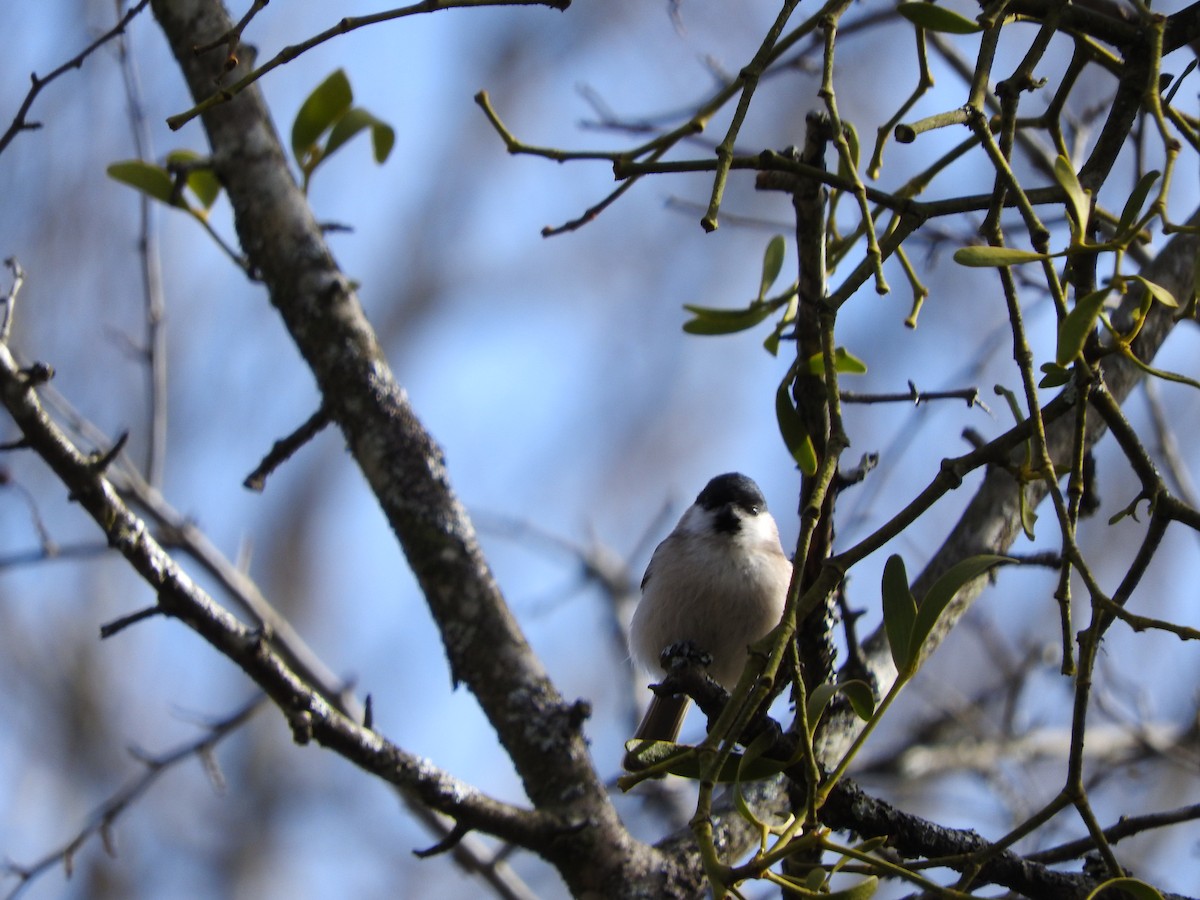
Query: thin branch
[[20, 122], [103, 817], [231, 38], [1127, 827], [179, 597], [53, 552], [1168, 447], [283, 449], [915, 397], [747, 83], [471, 854], [345, 26], [109, 629], [154, 351], [9, 300]]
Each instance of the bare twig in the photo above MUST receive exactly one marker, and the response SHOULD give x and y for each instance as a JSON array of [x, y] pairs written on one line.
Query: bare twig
[[1168, 447], [1127, 827], [103, 817], [20, 122], [230, 39], [118, 625], [283, 449], [471, 853], [53, 552], [154, 352], [180, 597], [345, 26], [915, 397], [9, 300]]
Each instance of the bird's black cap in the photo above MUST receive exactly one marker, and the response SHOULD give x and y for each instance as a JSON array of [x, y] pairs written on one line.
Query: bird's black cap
[[732, 487]]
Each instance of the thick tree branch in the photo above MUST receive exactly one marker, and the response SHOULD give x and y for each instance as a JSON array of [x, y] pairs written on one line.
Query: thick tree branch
[[851, 809], [180, 534], [309, 714], [404, 467]]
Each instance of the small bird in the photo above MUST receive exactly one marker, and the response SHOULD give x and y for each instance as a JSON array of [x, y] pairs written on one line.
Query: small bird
[[718, 581]]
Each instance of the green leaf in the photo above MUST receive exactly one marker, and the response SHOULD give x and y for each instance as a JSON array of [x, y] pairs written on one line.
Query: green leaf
[[650, 753], [937, 18], [899, 612], [152, 180], [1078, 200], [848, 364], [943, 591], [383, 136], [992, 257], [682, 760], [771, 342], [818, 699], [1158, 292], [1169, 97], [753, 766], [320, 111], [1028, 516], [1075, 327], [1137, 199], [795, 438], [861, 697], [724, 321], [872, 844], [844, 363], [201, 180], [864, 890], [1137, 318], [772, 264], [859, 693], [815, 879], [1131, 887], [383, 139], [1054, 375], [205, 185]]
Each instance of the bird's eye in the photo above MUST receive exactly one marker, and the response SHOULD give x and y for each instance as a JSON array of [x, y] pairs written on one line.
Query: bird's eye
[[754, 510]]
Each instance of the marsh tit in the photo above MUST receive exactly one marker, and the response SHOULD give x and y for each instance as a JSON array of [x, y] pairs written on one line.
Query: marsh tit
[[719, 581]]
